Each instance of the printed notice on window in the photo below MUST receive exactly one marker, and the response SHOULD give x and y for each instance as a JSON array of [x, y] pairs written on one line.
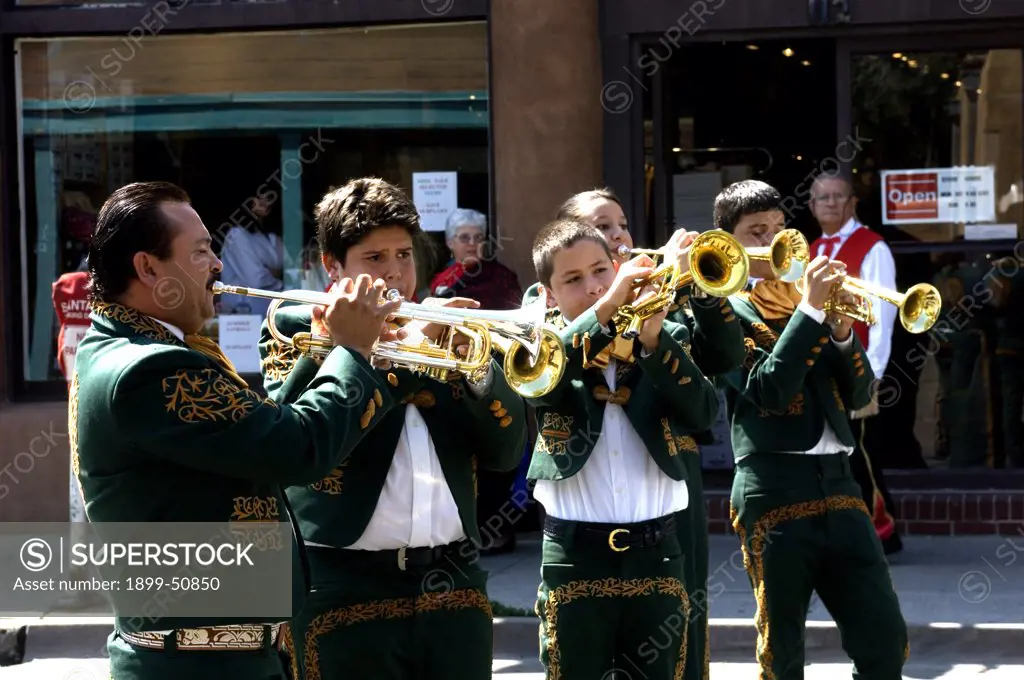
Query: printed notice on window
[[960, 195], [436, 195]]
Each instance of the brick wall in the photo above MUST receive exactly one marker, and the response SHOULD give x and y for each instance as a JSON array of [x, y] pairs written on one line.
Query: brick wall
[[925, 513]]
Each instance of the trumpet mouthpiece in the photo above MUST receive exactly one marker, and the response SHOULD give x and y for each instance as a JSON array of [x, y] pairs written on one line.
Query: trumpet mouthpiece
[[622, 251], [393, 295]]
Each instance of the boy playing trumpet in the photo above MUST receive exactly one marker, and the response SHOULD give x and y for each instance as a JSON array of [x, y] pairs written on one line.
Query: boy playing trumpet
[[796, 507], [391, 534], [608, 471]]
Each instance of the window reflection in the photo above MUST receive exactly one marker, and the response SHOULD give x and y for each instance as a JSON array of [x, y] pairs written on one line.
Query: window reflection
[[959, 384]]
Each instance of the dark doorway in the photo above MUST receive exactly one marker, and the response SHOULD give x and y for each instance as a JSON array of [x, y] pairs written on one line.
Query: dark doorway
[[747, 110]]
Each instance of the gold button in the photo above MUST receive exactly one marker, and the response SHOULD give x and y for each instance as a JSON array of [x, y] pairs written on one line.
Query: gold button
[[575, 340], [816, 350], [685, 380], [731, 317], [675, 365], [823, 340], [370, 408], [810, 362], [858, 363], [860, 372], [856, 355], [666, 357], [726, 309], [377, 399], [393, 379], [505, 422], [500, 413], [495, 405]]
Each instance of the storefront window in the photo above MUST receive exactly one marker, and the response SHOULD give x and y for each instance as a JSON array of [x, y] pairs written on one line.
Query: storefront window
[[941, 166], [255, 127]]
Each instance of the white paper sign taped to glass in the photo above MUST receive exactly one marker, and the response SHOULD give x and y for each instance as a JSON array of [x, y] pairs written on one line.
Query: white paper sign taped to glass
[[958, 195], [436, 197]]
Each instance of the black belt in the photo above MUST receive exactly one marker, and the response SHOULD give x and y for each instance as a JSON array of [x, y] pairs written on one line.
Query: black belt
[[617, 537], [412, 558]]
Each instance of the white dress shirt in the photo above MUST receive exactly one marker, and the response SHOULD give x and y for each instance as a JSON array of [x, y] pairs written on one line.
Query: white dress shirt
[[620, 482], [878, 268], [416, 508]]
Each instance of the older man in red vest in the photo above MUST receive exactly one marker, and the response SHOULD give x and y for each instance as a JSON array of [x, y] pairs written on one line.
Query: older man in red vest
[[866, 257]]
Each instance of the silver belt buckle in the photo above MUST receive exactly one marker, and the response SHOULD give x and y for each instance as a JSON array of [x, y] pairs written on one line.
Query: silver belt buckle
[[401, 558]]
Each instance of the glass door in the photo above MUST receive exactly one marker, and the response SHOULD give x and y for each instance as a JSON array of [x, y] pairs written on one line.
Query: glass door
[[937, 171]]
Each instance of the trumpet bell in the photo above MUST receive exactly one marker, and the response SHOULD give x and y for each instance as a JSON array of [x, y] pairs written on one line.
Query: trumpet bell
[[534, 374], [718, 263], [920, 308]]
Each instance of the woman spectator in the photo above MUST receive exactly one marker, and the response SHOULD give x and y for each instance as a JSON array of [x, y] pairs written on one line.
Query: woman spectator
[[472, 272]]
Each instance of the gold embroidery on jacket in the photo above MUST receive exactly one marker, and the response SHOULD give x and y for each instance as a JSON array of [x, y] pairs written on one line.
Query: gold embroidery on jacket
[[287, 643], [331, 484], [73, 424], [838, 398], [195, 395], [554, 434], [608, 587], [463, 598], [666, 434], [795, 408], [280, 361], [751, 358], [753, 557], [136, 320], [687, 443], [255, 509], [764, 336]]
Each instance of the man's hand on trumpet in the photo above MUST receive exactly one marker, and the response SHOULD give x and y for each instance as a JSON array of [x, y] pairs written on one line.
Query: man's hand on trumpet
[[358, 316]]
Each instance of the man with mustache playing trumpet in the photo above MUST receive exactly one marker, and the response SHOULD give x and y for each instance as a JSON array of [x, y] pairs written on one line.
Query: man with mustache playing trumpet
[[391, 533], [796, 507]]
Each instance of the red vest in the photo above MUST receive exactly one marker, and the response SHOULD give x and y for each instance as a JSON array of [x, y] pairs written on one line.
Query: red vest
[[852, 254], [70, 301]]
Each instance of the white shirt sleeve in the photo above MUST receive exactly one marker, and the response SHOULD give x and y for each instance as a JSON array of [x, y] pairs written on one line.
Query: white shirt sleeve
[[879, 268]]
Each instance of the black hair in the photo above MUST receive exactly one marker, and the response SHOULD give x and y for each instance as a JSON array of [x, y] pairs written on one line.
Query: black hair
[[744, 198], [556, 237], [131, 221], [572, 209], [345, 215]]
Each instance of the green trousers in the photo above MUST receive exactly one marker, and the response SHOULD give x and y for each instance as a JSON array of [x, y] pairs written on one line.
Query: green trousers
[[368, 618], [128, 662], [804, 528], [608, 612], [693, 536]]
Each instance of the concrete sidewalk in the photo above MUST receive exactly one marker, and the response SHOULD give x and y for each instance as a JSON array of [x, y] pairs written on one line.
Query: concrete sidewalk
[[961, 595]]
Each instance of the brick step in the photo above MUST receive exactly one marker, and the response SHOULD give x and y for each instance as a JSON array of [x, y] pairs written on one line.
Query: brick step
[[924, 513]]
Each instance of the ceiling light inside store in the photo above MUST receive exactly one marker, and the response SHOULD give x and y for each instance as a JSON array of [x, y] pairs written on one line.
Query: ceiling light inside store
[[958, 83], [944, 76], [805, 62], [912, 63], [979, 90], [753, 47], [676, 149], [904, 58], [787, 52], [897, 55]]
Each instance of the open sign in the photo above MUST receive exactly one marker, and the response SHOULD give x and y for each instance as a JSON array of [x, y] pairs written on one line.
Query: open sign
[[963, 194]]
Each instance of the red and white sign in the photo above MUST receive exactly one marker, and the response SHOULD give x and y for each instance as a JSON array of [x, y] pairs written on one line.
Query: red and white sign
[[959, 195], [71, 302]]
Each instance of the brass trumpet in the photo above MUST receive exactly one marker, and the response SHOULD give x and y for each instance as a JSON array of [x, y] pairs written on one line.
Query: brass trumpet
[[534, 355], [918, 308]]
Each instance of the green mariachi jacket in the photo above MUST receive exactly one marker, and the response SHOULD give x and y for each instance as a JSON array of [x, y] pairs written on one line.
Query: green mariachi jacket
[[466, 431], [667, 399], [793, 378], [159, 433], [717, 336]]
